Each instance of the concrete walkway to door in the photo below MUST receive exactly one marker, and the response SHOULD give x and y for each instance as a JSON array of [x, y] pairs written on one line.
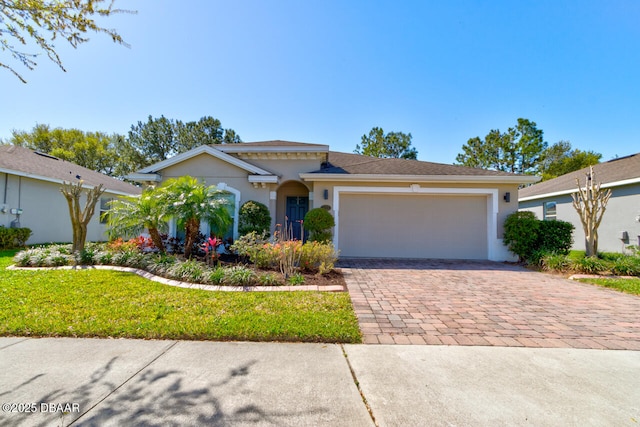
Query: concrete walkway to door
[[482, 303]]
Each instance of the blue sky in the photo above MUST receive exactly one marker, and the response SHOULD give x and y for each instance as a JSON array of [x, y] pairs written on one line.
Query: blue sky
[[324, 71]]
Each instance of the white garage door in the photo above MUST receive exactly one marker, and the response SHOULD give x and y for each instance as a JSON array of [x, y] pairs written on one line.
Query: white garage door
[[413, 226]]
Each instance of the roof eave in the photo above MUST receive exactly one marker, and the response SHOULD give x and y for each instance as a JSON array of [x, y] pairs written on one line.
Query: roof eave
[[60, 181], [574, 190], [497, 179]]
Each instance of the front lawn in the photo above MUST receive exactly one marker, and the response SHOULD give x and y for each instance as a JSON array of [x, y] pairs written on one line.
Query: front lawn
[[101, 303], [630, 286]]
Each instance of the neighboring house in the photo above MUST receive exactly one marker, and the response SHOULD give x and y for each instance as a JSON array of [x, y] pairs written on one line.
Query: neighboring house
[[620, 225], [382, 207], [30, 194]]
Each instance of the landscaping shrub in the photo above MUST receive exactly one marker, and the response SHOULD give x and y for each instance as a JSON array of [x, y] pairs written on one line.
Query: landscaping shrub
[[215, 276], [319, 222], [555, 236], [319, 257], [296, 279], [589, 265], [521, 234], [532, 239], [239, 276], [14, 237], [188, 271], [254, 217], [269, 279], [555, 262], [626, 266]]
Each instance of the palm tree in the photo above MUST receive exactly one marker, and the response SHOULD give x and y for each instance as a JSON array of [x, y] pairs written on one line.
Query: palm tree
[[131, 215], [190, 201]]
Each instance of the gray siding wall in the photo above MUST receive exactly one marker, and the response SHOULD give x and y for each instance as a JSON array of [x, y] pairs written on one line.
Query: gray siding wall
[[621, 215]]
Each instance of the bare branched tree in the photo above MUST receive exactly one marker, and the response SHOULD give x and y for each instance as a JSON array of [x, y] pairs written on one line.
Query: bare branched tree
[[590, 202], [80, 217]]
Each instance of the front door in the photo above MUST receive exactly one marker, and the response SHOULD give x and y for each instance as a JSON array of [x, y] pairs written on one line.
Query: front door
[[297, 208]]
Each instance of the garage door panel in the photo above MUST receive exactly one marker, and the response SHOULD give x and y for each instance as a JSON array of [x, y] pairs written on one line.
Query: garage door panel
[[415, 226]]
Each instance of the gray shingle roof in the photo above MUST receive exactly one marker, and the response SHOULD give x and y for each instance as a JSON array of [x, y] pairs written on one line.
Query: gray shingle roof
[[275, 143], [348, 163], [31, 163], [620, 169]]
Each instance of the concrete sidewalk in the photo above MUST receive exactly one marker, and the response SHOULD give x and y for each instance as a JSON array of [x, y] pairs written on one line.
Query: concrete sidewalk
[[133, 382]]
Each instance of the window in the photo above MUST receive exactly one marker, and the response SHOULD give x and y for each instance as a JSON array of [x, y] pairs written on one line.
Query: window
[[549, 211], [104, 209], [225, 234]]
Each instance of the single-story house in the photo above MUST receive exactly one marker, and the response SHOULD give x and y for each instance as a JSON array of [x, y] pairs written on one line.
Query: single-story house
[[620, 226], [30, 195], [382, 207]]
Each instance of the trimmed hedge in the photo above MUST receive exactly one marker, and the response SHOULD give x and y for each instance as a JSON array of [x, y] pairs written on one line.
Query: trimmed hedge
[[531, 238], [319, 222], [14, 237]]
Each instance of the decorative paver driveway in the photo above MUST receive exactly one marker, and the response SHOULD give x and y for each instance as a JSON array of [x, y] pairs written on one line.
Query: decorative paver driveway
[[486, 303]]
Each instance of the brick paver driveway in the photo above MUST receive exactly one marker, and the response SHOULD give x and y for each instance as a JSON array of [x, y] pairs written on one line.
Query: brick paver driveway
[[486, 303]]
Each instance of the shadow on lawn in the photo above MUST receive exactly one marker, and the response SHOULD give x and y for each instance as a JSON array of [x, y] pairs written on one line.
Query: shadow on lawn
[[154, 397]]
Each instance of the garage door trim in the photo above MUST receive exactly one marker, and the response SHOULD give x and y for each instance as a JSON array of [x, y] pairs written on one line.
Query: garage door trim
[[493, 243]]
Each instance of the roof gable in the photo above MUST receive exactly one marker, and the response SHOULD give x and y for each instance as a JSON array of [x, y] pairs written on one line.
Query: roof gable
[[620, 171], [22, 161], [204, 149]]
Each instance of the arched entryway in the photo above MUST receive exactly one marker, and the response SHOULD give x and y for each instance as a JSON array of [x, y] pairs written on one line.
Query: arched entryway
[[292, 202]]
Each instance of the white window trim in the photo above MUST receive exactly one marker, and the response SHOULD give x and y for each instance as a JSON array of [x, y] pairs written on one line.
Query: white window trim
[[494, 245], [546, 217]]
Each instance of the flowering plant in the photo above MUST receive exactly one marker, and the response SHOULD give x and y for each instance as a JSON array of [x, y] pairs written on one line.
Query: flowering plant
[[210, 246]]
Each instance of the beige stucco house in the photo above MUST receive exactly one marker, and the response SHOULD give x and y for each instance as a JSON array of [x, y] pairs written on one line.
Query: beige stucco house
[[30, 194], [382, 207], [620, 226]]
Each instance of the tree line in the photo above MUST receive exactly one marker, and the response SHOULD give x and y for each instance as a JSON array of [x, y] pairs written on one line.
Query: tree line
[[118, 155], [520, 149]]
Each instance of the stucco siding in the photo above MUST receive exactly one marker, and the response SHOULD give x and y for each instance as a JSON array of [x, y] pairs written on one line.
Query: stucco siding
[[414, 226], [621, 215]]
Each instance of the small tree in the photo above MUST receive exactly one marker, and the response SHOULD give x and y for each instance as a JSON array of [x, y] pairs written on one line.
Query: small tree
[[590, 202], [191, 201], [80, 217], [131, 215]]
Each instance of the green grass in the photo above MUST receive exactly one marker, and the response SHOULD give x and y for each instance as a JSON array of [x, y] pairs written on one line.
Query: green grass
[[630, 286], [93, 303]]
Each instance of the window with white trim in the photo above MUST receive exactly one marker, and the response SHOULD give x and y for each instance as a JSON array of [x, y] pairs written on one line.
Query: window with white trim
[[549, 211], [104, 209]]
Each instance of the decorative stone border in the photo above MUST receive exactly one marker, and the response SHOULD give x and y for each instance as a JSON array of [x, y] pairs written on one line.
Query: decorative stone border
[[179, 284]]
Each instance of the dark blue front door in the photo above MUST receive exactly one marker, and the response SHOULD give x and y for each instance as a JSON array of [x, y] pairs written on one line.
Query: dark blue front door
[[297, 208]]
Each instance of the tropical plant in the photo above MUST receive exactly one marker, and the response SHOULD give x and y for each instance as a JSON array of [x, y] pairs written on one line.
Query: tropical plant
[[190, 201], [131, 215]]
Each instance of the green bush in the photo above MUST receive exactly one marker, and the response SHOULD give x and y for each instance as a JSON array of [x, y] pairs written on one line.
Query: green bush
[[555, 236], [521, 234], [254, 217], [215, 276], [14, 237], [319, 257], [296, 279], [269, 279], [319, 222], [189, 271], [532, 239]]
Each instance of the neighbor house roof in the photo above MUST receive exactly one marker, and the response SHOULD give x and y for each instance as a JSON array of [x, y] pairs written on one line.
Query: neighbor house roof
[[615, 172], [356, 166], [32, 164]]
